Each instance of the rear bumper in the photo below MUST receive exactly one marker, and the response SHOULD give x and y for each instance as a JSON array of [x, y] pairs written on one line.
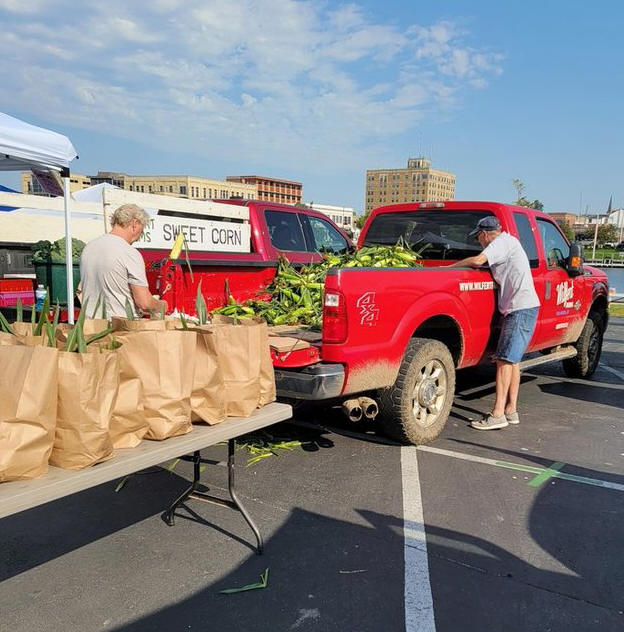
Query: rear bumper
[[315, 382]]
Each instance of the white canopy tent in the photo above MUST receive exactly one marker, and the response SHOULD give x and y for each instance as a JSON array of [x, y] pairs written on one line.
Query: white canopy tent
[[24, 146]]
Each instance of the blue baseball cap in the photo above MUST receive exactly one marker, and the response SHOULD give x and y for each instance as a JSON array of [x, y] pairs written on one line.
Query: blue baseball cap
[[489, 224]]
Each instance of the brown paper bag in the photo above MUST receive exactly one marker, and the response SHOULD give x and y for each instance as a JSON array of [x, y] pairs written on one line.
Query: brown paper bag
[[33, 341], [207, 400], [164, 362], [141, 324], [90, 326], [175, 323], [267, 373], [21, 328], [128, 425], [7, 339], [238, 354], [87, 391], [28, 392]]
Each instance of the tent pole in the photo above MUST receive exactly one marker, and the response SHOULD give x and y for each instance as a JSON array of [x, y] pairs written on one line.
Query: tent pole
[[69, 259]]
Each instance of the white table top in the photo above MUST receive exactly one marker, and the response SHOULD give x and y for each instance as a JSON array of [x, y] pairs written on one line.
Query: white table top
[[17, 496]]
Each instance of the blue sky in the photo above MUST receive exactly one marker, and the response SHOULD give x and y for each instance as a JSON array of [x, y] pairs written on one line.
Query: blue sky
[[319, 91]]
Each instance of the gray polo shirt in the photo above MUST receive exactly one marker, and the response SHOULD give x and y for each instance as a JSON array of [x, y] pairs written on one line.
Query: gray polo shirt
[[108, 266], [511, 271]]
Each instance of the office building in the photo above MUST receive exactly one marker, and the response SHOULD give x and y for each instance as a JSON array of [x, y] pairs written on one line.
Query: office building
[[191, 187], [343, 216], [419, 182], [178, 186], [273, 189]]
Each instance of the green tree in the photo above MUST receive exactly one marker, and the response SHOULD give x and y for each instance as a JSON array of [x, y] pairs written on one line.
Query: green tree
[[607, 233], [566, 228], [536, 204], [360, 219], [519, 187]]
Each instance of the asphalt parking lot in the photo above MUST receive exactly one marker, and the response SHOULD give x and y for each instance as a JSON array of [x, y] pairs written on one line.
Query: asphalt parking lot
[[522, 529]]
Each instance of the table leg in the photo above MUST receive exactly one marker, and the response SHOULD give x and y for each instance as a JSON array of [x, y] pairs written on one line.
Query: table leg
[[169, 515], [235, 503]]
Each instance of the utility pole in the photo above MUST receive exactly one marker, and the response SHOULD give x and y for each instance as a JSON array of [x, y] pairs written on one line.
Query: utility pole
[[595, 238], [580, 207]]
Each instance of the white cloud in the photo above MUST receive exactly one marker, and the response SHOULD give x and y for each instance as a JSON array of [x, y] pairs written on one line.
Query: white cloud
[[22, 6], [294, 80]]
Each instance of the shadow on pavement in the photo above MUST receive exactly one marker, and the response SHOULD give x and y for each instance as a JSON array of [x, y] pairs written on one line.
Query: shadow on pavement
[[588, 392], [64, 525], [334, 575]]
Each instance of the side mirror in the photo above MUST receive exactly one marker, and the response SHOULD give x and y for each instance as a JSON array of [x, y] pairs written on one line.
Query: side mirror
[[574, 265]]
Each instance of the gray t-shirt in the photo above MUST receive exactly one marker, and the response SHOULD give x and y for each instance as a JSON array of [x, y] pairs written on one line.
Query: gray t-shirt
[[511, 270], [108, 266]]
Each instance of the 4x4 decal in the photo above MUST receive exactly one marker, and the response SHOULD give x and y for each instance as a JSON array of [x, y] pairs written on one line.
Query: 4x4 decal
[[369, 312]]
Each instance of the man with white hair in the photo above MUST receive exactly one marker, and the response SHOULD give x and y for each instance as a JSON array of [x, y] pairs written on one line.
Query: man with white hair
[[112, 269], [518, 304]]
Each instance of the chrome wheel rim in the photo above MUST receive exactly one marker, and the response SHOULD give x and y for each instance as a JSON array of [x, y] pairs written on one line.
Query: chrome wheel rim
[[429, 393]]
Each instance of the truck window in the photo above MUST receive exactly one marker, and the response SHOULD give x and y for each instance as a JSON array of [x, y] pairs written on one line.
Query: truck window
[[556, 247], [527, 238], [326, 237], [443, 234], [285, 230]]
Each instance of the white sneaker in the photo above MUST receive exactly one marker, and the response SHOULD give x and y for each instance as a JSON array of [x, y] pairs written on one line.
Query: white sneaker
[[512, 418], [490, 423]]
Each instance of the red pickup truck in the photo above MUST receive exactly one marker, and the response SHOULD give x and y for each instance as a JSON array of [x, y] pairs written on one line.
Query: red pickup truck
[[400, 334], [298, 233]]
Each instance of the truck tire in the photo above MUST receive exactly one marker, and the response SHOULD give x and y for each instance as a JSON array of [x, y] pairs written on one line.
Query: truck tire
[[589, 348], [415, 409]]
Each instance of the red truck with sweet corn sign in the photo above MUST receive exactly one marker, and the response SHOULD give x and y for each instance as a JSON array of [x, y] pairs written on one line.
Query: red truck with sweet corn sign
[[397, 335]]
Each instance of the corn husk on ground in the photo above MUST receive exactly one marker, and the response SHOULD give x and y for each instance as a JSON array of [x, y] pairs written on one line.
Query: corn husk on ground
[[297, 294]]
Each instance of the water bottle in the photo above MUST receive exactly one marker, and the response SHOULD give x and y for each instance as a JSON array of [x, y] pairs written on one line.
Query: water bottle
[[40, 294]]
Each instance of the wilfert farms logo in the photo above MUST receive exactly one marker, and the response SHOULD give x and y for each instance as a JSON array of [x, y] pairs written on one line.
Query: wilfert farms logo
[[565, 292], [470, 286], [369, 312]]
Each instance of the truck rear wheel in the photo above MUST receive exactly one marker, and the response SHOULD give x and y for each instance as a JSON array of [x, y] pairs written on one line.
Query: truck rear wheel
[[588, 347], [415, 409]]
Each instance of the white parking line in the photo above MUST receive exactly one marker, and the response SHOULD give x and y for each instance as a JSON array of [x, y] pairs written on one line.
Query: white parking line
[[419, 616], [606, 367]]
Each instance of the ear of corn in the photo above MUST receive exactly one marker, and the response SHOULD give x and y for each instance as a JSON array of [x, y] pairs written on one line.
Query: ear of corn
[[200, 306], [75, 337], [4, 325], [43, 315], [97, 306], [297, 294], [129, 310]]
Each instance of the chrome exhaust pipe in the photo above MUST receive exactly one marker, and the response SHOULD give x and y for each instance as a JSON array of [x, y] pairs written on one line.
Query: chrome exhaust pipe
[[352, 409], [369, 407]]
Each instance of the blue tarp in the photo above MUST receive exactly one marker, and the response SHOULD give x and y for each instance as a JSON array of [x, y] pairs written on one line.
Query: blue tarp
[[7, 190]]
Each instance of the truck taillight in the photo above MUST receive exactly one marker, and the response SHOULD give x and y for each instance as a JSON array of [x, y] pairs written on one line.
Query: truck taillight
[[334, 317]]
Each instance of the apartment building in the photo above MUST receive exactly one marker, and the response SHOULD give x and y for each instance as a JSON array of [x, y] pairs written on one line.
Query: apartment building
[[273, 189], [418, 182]]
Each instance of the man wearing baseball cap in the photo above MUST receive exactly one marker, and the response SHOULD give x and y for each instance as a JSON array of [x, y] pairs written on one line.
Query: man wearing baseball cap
[[518, 304]]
